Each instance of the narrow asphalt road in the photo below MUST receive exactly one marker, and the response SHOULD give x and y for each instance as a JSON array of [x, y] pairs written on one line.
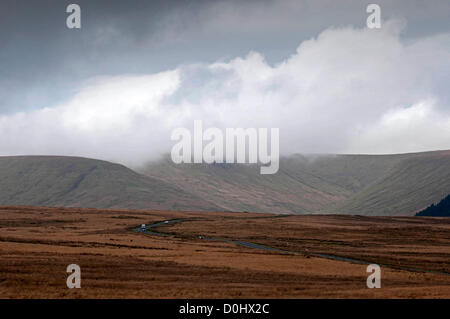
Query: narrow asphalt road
[[149, 229]]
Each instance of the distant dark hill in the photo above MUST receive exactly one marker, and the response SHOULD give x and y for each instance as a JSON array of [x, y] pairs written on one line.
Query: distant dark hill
[[81, 182], [442, 209], [347, 184]]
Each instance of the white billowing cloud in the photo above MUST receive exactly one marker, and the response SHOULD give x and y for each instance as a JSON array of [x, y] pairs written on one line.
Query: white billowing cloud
[[116, 118], [348, 90], [420, 127]]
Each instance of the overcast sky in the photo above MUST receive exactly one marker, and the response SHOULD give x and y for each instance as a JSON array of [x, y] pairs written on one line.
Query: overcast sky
[[116, 88]]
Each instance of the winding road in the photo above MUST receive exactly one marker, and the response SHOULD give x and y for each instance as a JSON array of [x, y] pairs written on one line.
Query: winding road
[[149, 229]]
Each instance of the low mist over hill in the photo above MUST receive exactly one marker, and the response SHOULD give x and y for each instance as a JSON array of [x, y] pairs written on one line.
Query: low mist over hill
[[405, 188], [346, 184]]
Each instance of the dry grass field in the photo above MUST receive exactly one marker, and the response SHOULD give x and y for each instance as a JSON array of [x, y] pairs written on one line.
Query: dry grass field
[[211, 255]]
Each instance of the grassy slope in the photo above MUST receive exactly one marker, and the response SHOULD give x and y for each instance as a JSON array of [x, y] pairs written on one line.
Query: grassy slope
[[303, 184], [349, 184], [411, 185], [80, 182]]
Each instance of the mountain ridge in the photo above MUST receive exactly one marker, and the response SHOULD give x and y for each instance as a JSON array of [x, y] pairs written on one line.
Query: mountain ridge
[[83, 182], [399, 184], [324, 184]]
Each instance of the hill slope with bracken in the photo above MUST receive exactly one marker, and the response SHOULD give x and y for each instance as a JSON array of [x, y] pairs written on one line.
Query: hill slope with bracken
[[347, 184], [82, 182], [412, 184], [339, 184], [303, 184]]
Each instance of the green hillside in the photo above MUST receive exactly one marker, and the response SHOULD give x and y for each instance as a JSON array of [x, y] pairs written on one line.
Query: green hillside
[[304, 184], [410, 185], [347, 184], [81, 182]]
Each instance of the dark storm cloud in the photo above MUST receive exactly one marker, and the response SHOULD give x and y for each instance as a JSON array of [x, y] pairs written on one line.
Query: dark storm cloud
[[137, 69], [41, 61]]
